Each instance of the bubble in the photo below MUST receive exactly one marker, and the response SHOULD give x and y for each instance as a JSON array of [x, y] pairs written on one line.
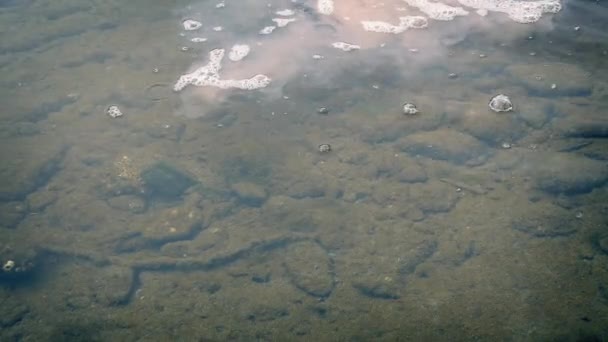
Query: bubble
[[410, 109], [501, 103], [324, 148], [191, 25]]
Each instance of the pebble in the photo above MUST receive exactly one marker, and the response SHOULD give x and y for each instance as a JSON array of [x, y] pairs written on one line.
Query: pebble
[[113, 111], [324, 148]]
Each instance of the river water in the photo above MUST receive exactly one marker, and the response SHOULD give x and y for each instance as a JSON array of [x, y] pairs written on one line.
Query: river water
[[244, 170]]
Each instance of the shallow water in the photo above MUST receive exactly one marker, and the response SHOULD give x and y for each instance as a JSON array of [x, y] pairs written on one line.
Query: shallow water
[[210, 214]]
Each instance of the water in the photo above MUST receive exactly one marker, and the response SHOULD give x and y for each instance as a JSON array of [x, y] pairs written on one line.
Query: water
[[205, 213]]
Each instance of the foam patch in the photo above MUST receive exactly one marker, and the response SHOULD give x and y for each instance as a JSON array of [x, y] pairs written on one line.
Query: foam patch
[[437, 10], [524, 12], [208, 75]]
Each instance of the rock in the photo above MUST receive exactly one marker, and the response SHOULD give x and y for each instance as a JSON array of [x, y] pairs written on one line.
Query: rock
[[446, 144], [166, 182], [492, 129], [602, 243], [162, 227], [544, 220], [416, 256], [539, 78], [400, 167], [249, 193], [309, 268], [433, 197], [13, 312], [584, 127], [567, 173], [23, 175], [130, 203], [265, 313], [39, 200], [112, 285], [377, 290], [11, 213], [301, 188], [412, 172]]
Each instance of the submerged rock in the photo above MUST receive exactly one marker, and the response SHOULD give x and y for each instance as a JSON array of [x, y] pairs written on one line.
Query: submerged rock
[[11, 213], [568, 173], [544, 220], [165, 181], [446, 144], [377, 290], [130, 203], [538, 79], [249, 193], [21, 176], [309, 268]]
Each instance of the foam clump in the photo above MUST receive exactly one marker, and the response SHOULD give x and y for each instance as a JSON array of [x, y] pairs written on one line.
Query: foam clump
[[267, 29], [285, 12], [208, 75], [282, 22], [191, 25], [405, 23], [345, 46], [437, 10], [325, 6], [524, 12], [238, 52]]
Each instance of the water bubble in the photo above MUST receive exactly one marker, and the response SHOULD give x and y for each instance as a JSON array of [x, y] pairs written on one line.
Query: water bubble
[[323, 111], [324, 148], [113, 111], [501, 103], [410, 109]]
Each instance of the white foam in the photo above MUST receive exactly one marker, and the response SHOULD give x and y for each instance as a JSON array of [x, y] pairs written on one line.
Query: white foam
[[285, 12], [437, 10], [405, 23], [267, 29], [220, 5], [208, 75], [191, 25], [238, 52], [218, 29], [325, 6], [282, 22], [198, 39], [524, 12], [345, 46]]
